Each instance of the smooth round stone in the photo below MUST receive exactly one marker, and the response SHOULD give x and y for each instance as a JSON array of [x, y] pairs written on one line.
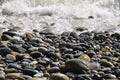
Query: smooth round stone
[[13, 75], [76, 65], [70, 56], [38, 75], [30, 72], [57, 55], [37, 40], [14, 65], [85, 57], [25, 63], [11, 70], [68, 51], [59, 76], [6, 37], [2, 65], [74, 35], [4, 51], [15, 53], [26, 77], [53, 70], [106, 63], [42, 49], [117, 72], [2, 75], [10, 57], [36, 54], [94, 66], [11, 32], [33, 62], [46, 74], [18, 48], [109, 76], [33, 49]]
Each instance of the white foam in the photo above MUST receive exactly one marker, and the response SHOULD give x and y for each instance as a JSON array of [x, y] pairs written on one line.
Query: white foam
[[66, 15]]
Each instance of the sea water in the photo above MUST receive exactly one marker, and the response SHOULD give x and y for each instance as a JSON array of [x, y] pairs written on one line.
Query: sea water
[[60, 15]]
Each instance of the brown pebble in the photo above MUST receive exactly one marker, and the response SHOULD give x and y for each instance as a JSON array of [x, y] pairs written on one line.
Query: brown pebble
[[13, 75], [85, 57]]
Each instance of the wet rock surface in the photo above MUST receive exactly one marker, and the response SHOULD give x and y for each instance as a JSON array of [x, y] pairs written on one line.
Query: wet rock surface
[[69, 56]]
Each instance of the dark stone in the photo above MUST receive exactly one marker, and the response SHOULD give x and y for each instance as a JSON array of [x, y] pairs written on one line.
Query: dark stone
[[116, 36], [43, 50], [6, 37], [11, 33], [4, 51], [70, 56], [53, 70], [17, 48], [74, 35], [117, 72], [76, 66], [14, 65], [36, 54], [30, 72]]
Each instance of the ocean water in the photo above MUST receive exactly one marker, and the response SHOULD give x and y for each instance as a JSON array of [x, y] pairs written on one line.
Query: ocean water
[[60, 15]]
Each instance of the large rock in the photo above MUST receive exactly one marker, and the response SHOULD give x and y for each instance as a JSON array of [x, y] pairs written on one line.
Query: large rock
[[76, 66], [80, 66]]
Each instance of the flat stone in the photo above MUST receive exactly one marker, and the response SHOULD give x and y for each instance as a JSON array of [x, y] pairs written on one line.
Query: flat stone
[[106, 63], [54, 70], [59, 76], [2, 65], [14, 65], [30, 72], [13, 75]]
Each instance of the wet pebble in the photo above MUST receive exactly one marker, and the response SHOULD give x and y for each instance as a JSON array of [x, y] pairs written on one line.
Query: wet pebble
[[53, 70], [30, 72], [106, 63], [59, 76], [10, 58], [36, 54], [85, 57], [76, 65], [2, 75]]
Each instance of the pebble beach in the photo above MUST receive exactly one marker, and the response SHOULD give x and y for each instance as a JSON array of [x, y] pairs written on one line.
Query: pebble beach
[[59, 40], [68, 56]]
